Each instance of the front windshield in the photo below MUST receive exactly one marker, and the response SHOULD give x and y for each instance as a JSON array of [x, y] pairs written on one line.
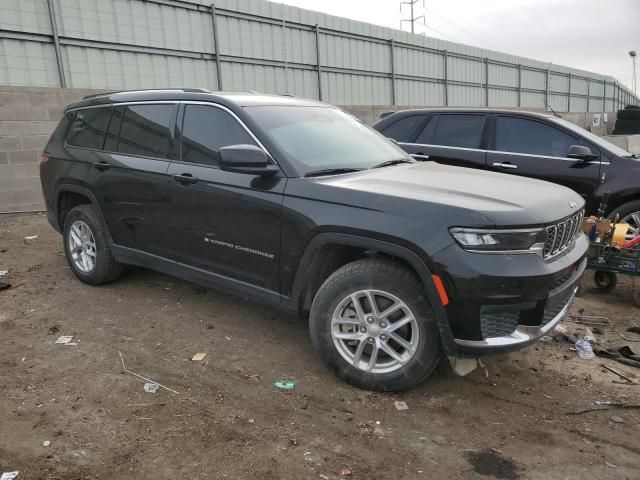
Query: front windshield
[[599, 141], [320, 138]]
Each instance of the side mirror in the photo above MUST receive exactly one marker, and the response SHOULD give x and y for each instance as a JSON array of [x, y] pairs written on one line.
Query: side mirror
[[247, 159], [580, 152]]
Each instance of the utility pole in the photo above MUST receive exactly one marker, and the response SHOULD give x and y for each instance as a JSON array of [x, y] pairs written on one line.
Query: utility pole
[[634, 80], [412, 14]]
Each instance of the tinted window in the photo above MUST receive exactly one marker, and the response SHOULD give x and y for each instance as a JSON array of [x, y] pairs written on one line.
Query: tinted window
[[403, 129], [206, 130], [519, 135], [88, 127], [111, 142], [145, 130], [463, 131]]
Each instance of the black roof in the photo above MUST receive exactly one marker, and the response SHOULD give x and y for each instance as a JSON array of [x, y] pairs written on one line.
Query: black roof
[[386, 115], [237, 99]]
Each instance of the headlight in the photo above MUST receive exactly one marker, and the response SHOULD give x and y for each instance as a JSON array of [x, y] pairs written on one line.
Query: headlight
[[529, 240]]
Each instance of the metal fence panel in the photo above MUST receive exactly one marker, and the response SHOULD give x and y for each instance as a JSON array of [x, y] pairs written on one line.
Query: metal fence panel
[[271, 47]]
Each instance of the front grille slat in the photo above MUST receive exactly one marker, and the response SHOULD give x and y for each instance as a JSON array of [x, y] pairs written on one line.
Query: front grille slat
[[560, 235]]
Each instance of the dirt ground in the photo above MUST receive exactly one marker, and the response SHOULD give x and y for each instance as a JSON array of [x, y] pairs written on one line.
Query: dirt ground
[[512, 421]]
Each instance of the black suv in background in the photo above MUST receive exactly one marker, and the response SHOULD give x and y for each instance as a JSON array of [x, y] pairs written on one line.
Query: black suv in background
[[523, 143], [298, 204]]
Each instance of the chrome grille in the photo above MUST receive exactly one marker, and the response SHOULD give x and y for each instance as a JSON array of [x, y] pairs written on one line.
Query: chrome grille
[[560, 236]]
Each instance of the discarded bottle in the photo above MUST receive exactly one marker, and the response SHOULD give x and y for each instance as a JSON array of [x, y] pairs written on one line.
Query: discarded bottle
[[584, 350]]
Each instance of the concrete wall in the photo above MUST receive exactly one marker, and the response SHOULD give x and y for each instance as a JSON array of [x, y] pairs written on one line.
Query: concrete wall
[[28, 115]]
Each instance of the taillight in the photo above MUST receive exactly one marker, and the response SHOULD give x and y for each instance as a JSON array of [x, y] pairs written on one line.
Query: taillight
[[44, 158]]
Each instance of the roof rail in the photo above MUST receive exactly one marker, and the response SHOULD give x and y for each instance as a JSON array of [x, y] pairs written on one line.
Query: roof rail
[[186, 90]]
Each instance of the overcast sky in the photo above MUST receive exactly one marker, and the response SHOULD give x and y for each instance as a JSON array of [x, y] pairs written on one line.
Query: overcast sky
[[594, 35]]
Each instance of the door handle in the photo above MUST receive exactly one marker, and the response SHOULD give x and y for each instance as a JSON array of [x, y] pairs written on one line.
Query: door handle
[[101, 166], [420, 156], [505, 165], [185, 179]]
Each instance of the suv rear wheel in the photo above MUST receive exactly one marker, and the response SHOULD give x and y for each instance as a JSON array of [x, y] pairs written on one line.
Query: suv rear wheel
[[86, 247], [373, 327]]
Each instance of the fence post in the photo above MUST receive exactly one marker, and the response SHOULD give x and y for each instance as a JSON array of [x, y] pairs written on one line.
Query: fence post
[[56, 42], [519, 85], [392, 45], [216, 45], [546, 91], [569, 96], [319, 62], [486, 82], [446, 78], [588, 94]]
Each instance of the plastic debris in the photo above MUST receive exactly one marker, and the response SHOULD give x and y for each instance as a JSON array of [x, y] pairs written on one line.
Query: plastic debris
[[585, 351], [46, 443], [616, 419], [5, 286], [64, 339], [151, 387], [589, 336], [560, 329], [546, 339], [198, 357], [144, 378], [285, 384], [9, 475], [401, 406], [30, 238], [3, 272], [345, 471]]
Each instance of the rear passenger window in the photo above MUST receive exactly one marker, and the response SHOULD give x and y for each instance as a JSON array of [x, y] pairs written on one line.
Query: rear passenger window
[[111, 142], [462, 131], [88, 127], [207, 129], [403, 129], [145, 130]]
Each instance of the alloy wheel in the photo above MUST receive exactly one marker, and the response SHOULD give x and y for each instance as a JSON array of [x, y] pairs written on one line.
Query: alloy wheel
[[82, 246], [374, 331]]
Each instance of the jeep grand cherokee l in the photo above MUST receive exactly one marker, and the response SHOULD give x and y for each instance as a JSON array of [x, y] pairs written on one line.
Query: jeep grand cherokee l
[[298, 204], [530, 144]]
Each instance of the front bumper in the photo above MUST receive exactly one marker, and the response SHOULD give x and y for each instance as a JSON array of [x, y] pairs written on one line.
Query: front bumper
[[501, 303]]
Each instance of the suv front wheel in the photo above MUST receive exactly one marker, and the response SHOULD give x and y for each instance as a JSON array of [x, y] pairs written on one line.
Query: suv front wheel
[[86, 247], [373, 327]]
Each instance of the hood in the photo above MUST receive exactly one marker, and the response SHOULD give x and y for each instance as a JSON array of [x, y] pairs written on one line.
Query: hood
[[505, 200]]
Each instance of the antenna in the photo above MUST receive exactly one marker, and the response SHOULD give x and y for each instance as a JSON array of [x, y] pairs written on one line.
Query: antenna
[[413, 19]]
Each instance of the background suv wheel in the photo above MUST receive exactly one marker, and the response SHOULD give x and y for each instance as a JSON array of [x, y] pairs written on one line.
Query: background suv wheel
[[86, 247], [373, 327], [629, 213]]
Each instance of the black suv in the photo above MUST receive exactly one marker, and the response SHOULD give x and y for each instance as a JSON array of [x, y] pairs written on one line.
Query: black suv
[[523, 143], [300, 205]]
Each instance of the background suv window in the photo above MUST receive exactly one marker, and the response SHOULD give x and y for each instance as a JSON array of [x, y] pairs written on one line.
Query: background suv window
[[462, 131], [403, 129], [519, 135], [145, 130], [88, 127], [207, 129]]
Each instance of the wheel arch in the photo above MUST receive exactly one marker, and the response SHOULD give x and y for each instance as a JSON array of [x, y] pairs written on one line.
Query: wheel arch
[[69, 196], [619, 201], [341, 248]]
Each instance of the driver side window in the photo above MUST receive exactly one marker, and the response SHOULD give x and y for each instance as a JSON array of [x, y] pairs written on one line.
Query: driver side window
[[206, 129], [519, 135]]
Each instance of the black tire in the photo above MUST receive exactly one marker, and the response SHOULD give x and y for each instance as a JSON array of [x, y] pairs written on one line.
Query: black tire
[[105, 269], [605, 281], [391, 278], [629, 115]]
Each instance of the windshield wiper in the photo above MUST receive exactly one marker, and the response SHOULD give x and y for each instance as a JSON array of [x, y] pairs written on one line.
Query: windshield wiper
[[332, 171], [389, 163]]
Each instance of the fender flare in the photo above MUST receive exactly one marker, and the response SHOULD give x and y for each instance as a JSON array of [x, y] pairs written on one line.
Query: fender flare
[[382, 246], [68, 187]]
